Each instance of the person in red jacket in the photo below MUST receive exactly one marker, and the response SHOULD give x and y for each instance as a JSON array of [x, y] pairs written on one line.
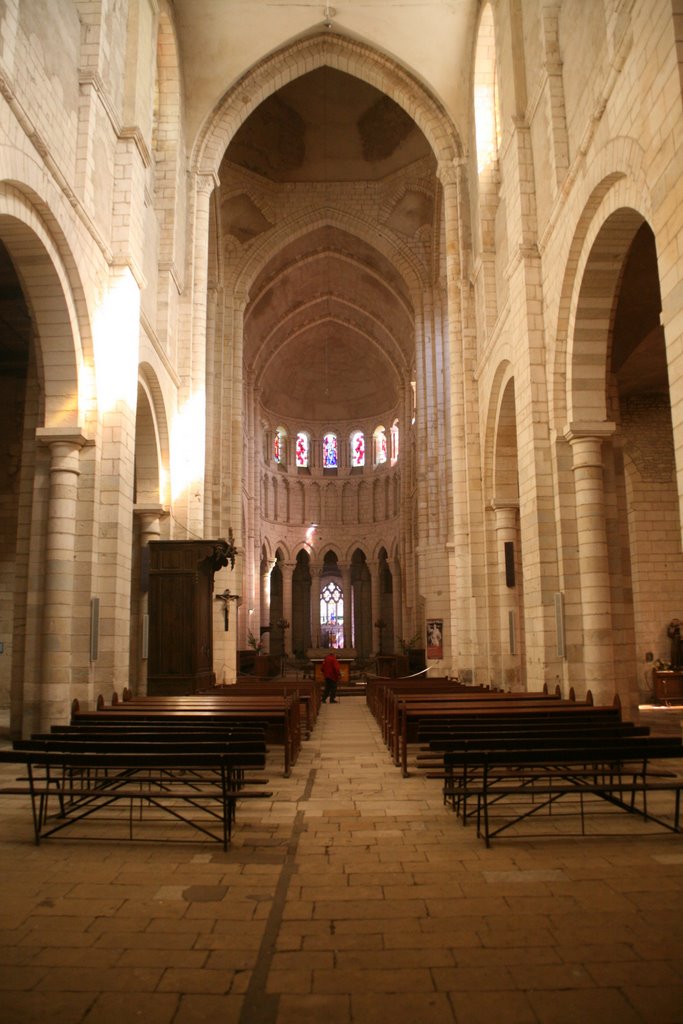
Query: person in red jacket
[[331, 675]]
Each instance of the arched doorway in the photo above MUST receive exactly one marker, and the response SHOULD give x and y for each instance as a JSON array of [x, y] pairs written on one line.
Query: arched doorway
[[16, 353], [41, 423]]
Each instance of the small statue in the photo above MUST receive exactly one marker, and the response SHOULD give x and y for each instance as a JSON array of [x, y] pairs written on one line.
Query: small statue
[[674, 634]]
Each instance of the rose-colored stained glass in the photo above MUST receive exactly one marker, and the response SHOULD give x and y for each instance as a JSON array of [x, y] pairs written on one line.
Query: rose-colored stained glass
[[302, 450], [357, 449], [380, 445]]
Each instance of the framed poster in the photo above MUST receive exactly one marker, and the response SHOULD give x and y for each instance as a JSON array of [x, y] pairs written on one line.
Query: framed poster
[[435, 638]]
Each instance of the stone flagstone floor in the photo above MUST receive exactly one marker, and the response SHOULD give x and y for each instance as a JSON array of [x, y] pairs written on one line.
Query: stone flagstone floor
[[353, 897]]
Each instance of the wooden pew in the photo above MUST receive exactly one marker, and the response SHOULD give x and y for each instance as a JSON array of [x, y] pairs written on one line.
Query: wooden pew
[[409, 712], [278, 715], [400, 704], [385, 694], [435, 740], [307, 691], [379, 687], [501, 713]]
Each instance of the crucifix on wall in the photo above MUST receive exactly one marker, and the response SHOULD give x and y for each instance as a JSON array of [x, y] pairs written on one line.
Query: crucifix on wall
[[226, 597]]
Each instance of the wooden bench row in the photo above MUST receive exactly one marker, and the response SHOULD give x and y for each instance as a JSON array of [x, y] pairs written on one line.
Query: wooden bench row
[[380, 692], [277, 714], [195, 779], [511, 757], [307, 692], [392, 701], [405, 706], [509, 785], [184, 756]]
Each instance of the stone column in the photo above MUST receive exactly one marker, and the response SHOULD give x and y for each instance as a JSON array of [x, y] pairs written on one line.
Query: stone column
[[396, 584], [60, 550], [376, 604], [594, 576], [264, 609], [234, 413], [192, 361], [251, 535], [149, 522], [507, 532], [462, 439], [287, 570], [347, 589], [315, 605]]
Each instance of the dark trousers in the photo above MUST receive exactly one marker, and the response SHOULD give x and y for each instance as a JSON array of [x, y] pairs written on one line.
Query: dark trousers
[[330, 689]]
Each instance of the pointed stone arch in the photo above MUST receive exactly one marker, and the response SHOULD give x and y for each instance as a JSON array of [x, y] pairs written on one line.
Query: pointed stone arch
[[385, 242], [336, 51]]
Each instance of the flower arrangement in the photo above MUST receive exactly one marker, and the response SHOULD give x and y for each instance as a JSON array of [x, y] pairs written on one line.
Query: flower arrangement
[[256, 645]]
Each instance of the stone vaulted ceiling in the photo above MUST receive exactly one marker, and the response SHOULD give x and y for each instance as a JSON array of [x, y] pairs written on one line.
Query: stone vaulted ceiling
[[329, 330]]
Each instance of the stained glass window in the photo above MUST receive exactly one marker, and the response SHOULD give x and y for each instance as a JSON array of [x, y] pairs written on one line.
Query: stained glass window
[[330, 451], [380, 439], [302, 449], [394, 442], [332, 614], [357, 449], [279, 437]]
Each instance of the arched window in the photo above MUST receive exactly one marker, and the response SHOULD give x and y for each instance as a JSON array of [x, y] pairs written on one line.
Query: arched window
[[394, 442], [303, 449], [357, 449], [486, 115], [280, 445], [330, 454], [332, 614], [380, 445]]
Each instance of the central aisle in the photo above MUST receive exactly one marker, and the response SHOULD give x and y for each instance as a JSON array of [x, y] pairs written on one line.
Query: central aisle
[[387, 909], [364, 869], [353, 897]]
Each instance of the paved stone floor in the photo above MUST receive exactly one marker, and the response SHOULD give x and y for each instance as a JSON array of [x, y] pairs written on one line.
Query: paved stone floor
[[353, 897]]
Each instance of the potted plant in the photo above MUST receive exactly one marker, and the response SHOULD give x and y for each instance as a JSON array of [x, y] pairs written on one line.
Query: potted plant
[[408, 645], [413, 651]]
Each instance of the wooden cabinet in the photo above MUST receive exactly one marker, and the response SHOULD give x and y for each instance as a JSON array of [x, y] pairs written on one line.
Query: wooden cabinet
[[181, 576], [393, 666], [667, 685]]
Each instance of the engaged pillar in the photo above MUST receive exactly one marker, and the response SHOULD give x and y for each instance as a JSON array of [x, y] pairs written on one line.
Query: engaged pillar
[[60, 550], [594, 577]]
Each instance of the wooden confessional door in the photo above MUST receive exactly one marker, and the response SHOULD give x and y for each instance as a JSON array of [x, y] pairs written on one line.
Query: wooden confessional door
[[180, 616]]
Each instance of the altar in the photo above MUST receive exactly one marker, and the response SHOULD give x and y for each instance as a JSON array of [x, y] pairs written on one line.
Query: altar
[[667, 685], [344, 655]]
